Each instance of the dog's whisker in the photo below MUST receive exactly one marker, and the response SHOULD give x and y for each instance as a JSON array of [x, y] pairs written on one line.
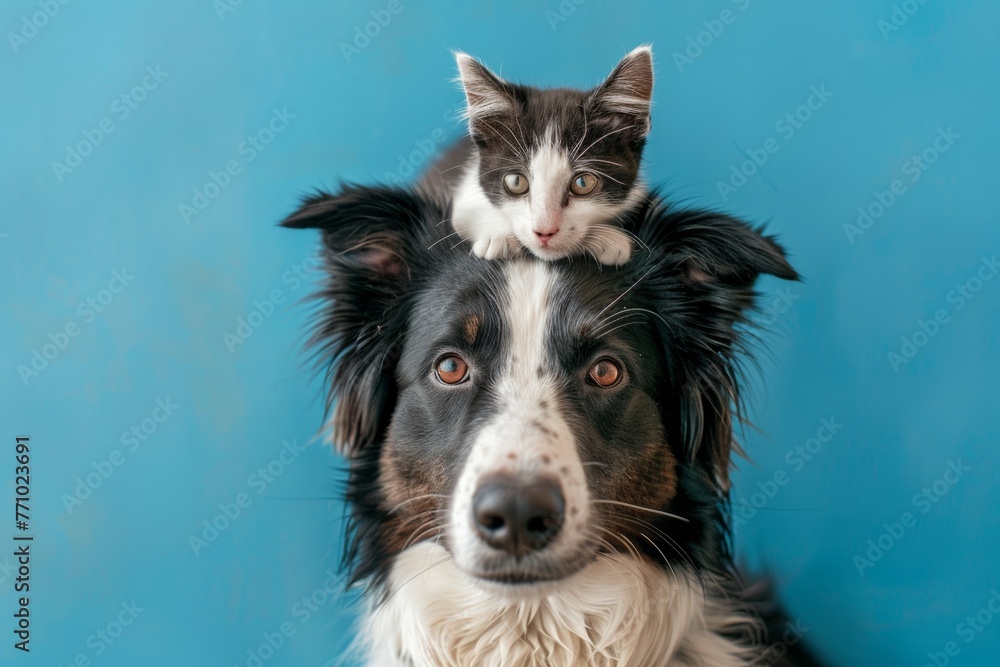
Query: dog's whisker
[[666, 561], [642, 509], [414, 499], [646, 525], [622, 295], [388, 598], [422, 533]]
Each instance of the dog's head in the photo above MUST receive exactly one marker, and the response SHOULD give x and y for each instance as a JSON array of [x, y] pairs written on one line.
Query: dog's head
[[532, 417]]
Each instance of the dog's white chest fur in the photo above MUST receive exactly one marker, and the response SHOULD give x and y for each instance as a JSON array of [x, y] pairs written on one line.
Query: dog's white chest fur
[[616, 612]]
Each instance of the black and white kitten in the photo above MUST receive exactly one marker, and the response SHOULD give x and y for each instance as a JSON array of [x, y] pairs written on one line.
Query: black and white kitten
[[551, 170]]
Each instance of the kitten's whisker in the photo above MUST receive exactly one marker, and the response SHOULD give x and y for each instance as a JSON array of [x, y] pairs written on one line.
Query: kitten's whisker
[[636, 239], [505, 159], [448, 236], [597, 159], [521, 141], [443, 238], [583, 135], [602, 138], [600, 173], [603, 231], [517, 150], [490, 171]]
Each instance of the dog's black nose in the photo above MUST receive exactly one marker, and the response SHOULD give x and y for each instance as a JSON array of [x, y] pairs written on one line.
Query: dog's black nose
[[518, 517]]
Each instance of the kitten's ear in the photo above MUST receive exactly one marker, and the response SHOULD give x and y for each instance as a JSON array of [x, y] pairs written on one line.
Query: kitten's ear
[[372, 242], [628, 90], [486, 94]]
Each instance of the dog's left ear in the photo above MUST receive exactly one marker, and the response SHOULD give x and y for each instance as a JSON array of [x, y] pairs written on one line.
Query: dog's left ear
[[704, 268], [371, 237]]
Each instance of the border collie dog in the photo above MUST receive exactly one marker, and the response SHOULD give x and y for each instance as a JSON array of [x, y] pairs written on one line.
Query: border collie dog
[[539, 451]]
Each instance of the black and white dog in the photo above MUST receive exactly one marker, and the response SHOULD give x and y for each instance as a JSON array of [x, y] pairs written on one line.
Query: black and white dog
[[540, 451]]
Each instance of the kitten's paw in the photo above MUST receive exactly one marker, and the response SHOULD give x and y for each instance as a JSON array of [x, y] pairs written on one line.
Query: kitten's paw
[[612, 248], [493, 247]]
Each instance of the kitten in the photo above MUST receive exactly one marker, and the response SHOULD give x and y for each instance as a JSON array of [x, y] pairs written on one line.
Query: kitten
[[551, 170]]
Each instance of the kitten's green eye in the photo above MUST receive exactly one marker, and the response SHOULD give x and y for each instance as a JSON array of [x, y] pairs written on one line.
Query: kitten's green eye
[[583, 183], [515, 183]]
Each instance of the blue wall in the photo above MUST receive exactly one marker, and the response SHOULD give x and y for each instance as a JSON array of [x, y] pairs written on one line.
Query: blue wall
[[151, 379]]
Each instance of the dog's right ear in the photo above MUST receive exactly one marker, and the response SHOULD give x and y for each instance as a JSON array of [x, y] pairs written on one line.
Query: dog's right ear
[[702, 271], [370, 238], [364, 229]]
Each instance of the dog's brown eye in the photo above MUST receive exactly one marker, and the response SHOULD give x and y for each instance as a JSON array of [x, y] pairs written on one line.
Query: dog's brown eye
[[583, 183], [605, 373], [452, 369]]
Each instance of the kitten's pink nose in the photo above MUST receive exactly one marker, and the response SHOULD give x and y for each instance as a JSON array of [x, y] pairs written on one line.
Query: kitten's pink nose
[[546, 227], [544, 238]]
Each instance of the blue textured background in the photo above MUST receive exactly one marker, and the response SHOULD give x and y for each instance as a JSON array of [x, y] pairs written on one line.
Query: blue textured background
[[374, 112]]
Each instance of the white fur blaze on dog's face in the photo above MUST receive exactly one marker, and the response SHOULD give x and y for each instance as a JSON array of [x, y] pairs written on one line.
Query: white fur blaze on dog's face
[[526, 438]]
